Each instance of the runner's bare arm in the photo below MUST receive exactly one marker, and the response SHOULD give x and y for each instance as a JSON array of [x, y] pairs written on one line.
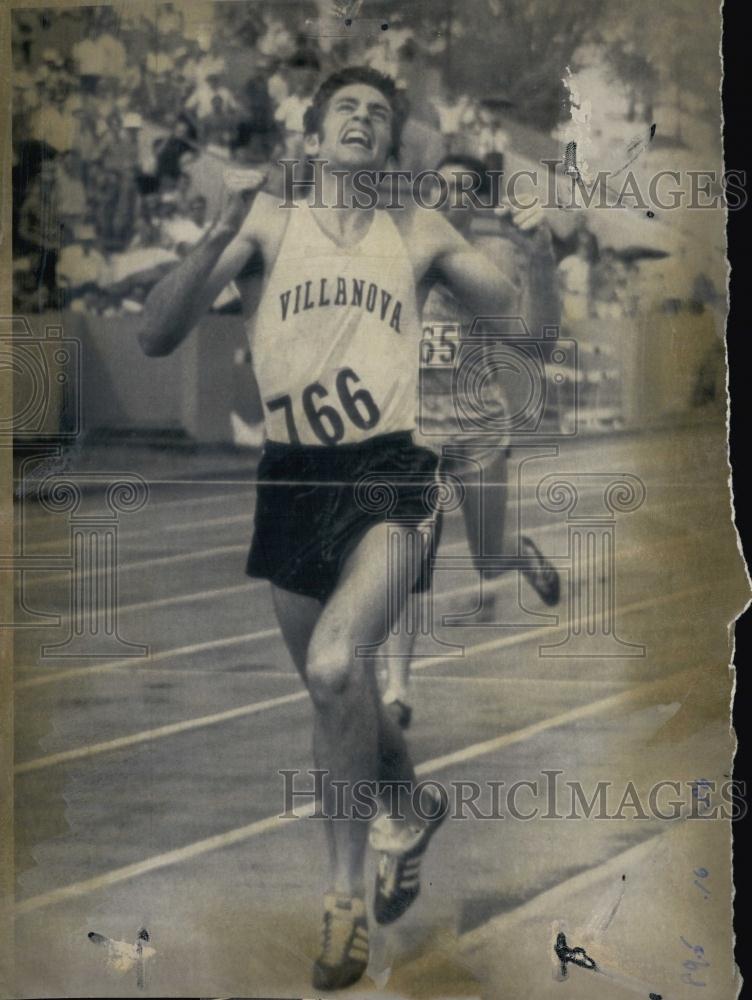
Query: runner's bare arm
[[478, 284], [178, 301]]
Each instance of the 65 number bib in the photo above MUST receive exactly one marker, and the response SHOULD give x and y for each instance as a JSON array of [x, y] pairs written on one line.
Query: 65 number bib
[[326, 421]]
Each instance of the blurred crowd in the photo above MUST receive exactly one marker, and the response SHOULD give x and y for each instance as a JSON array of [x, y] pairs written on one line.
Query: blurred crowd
[[124, 119]]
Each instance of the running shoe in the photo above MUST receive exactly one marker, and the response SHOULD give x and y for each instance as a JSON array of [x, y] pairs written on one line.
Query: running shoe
[[344, 945], [542, 577], [398, 872]]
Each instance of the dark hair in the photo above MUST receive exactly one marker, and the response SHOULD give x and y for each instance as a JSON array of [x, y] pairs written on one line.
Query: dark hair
[[315, 112], [472, 163]]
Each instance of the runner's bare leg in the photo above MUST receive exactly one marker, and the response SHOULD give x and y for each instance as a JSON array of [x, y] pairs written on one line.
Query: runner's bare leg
[[484, 513], [351, 732], [485, 506]]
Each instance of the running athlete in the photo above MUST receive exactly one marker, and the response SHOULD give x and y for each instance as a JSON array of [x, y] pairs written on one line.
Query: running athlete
[[335, 346], [477, 460]]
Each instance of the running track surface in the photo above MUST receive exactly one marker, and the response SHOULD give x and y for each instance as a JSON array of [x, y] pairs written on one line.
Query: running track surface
[[148, 793]]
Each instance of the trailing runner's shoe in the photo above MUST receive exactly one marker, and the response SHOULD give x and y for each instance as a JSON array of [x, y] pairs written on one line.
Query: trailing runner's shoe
[[398, 873], [344, 947], [543, 577]]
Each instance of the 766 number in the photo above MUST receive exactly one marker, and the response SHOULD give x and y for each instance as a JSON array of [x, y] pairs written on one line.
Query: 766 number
[[326, 421]]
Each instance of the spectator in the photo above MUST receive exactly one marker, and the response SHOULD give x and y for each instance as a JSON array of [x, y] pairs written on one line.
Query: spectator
[[276, 84], [146, 163], [574, 278], [39, 226], [201, 104], [70, 188], [81, 267], [257, 132], [112, 205], [99, 55], [170, 149], [218, 130], [28, 295], [53, 122], [302, 73], [169, 24], [451, 110], [276, 42], [25, 98], [119, 147]]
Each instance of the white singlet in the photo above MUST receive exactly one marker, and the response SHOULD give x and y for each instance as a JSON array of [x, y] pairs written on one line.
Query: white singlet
[[335, 340]]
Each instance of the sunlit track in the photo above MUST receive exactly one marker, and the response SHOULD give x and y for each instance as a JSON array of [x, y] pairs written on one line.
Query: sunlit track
[[652, 511], [276, 822], [148, 789], [244, 517], [125, 564], [172, 729], [137, 663], [166, 529], [125, 567]]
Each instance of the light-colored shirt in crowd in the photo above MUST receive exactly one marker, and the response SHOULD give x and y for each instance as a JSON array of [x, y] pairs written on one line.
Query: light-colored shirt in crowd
[[450, 115], [77, 267], [54, 126], [291, 111], [277, 87], [71, 193], [574, 275], [200, 100], [102, 56]]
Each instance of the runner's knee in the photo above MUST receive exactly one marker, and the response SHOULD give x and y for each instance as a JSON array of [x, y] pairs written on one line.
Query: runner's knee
[[329, 671]]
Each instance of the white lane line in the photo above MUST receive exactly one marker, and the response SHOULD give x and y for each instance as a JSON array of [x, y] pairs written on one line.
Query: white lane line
[[247, 518], [160, 732], [199, 595], [143, 563], [237, 588], [138, 662], [252, 708], [250, 586], [157, 529], [200, 647], [272, 823], [129, 661], [551, 631], [195, 554], [33, 519], [41, 575]]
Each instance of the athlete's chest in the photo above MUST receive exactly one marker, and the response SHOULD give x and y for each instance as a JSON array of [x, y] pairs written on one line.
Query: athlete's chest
[[317, 281]]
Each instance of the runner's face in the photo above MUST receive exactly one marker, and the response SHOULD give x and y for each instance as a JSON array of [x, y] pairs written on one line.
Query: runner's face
[[356, 130]]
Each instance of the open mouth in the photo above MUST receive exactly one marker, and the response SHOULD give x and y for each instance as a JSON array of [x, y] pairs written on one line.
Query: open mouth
[[355, 136]]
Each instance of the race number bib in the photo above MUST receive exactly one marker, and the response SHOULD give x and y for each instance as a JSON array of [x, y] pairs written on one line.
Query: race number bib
[[440, 343]]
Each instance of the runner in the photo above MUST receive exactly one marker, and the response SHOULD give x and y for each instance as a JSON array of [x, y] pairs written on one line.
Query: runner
[[477, 460], [335, 346]]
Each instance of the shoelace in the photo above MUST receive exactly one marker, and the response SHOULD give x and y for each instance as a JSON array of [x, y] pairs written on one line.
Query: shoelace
[[388, 873], [333, 950]]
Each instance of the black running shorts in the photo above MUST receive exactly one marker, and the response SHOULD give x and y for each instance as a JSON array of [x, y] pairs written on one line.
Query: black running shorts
[[315, 503]]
